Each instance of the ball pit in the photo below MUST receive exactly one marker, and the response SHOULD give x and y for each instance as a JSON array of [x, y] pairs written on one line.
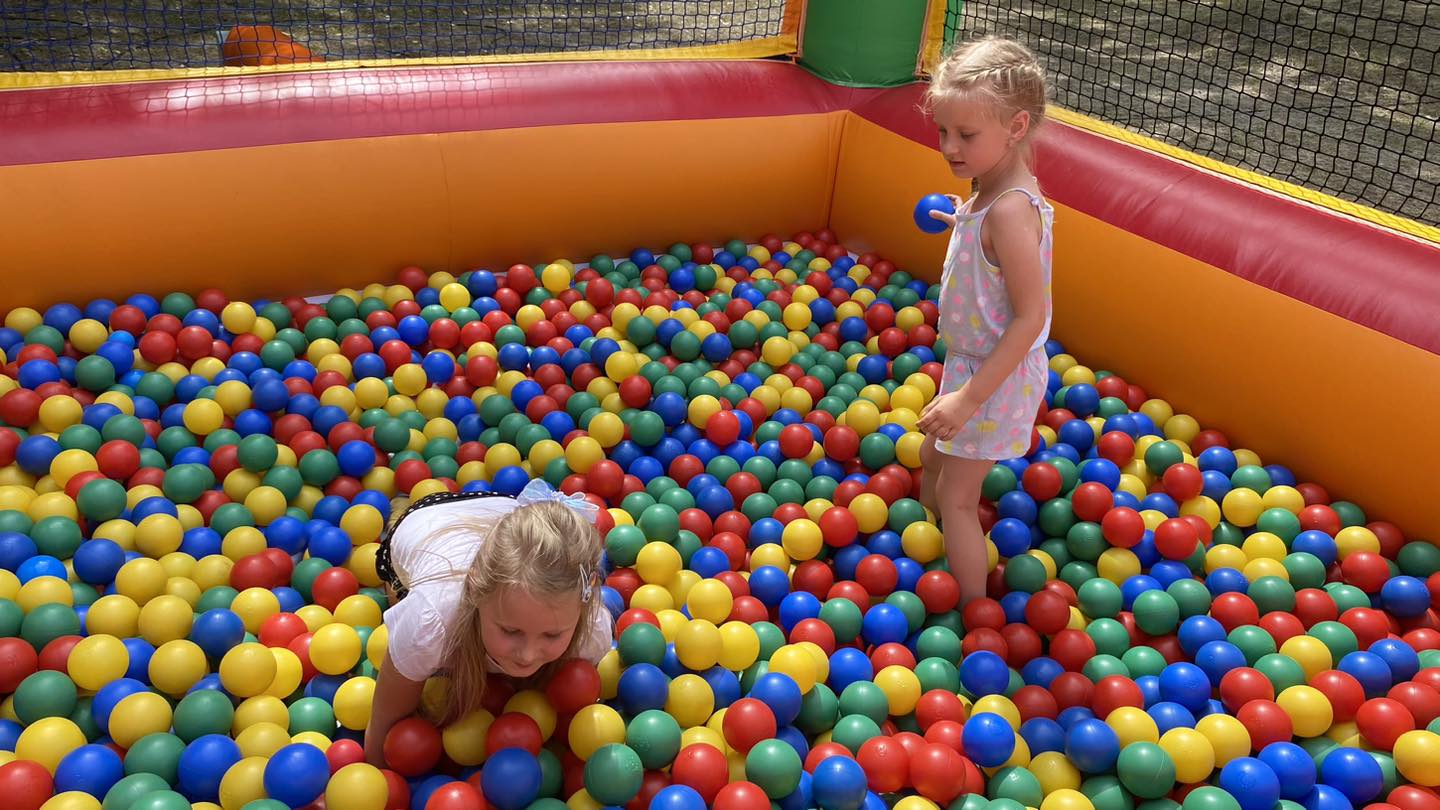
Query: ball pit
[[192, 489]]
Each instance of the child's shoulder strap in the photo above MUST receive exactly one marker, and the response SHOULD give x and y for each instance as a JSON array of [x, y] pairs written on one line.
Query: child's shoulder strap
[[436, 499]]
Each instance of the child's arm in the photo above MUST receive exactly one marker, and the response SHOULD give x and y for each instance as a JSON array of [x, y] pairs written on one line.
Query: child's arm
[[1015, 234], [396, 697]]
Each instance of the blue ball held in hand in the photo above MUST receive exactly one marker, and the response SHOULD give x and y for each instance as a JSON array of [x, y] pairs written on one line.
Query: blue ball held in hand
[[933, 202]]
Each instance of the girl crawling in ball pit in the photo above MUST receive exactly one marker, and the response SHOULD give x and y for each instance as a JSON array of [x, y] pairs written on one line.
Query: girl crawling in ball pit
[[485, 584]]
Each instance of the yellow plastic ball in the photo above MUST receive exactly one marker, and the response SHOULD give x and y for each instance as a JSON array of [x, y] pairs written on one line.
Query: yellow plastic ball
[[916, 803], [254, 606], [923, 542], [533, 704], [114, 614], [1417, 756], [352, 702], [1067, 799], [797, 316], [607, 429], [238, 317], [464, 740], [1310, 653], [260, 709], [73, 800], [97, 660], [288, 673], [1191, 752], [710, 600], [581, 454], [359, 786], [1356, 538], [247, 669], [798, 664], [901, 687], [802, 539], [658, 562], [243, 783], [1133, 725], [1309, 709], [1118, 564], [1055, 772], [690, 701], [740, 646], [164, 618], [46, 590], [358, 610], [870, 512], [141, 579], [138, 715], [335, 649], [698, 644], [262, 739], [48, 740], [777, 350], [177, 665], [1242, 506], [203, 416], [1227, 737], [593, 727]]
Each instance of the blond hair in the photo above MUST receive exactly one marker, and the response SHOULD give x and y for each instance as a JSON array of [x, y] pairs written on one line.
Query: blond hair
[[998, 71], [546, 549]]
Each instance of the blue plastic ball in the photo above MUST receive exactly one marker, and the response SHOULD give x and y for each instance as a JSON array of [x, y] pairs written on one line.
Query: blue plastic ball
[[839, 783], [1251, 782], [296, 774], [933, 202], [511, 778]]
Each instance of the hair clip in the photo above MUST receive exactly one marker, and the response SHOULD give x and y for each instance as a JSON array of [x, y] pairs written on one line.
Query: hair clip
[[537, 491]]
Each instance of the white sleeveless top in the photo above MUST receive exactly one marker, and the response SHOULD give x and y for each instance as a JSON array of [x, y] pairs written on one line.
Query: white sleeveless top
[[974, 303]]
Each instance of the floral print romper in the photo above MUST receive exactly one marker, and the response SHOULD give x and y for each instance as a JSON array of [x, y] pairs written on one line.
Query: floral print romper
[[974, 312]]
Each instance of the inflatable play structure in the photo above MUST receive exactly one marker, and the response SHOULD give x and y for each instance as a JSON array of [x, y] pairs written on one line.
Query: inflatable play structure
[[165, 229]]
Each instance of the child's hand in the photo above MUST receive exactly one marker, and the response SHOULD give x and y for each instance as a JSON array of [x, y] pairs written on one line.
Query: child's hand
[[945, 415], [948, 219]]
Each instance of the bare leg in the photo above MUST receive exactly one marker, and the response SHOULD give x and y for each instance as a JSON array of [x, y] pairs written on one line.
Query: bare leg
[[930, 459], [959, 488]]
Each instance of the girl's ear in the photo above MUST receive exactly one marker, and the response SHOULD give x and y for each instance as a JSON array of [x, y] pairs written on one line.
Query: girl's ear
[[1019, 126]]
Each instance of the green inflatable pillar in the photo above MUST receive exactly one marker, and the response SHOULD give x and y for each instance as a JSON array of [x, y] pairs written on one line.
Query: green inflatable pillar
[[864, 43]]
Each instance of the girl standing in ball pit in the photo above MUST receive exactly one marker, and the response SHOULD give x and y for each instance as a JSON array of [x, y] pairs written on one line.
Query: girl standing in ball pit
[[484, 584], [987, 99]]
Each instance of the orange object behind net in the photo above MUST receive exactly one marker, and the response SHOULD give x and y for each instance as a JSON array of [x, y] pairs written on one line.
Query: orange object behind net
[[264, 45]]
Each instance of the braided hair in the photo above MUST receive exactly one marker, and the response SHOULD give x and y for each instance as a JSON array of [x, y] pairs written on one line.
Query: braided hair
[[1000, 71]]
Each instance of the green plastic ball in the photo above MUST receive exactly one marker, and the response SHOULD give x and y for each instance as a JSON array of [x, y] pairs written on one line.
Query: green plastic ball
[[613, 774]]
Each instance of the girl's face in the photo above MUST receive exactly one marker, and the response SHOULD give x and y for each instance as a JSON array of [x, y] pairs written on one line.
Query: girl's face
[[973, 139], [523, 632]]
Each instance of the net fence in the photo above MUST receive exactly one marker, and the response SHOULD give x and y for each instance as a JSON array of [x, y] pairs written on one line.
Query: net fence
[[1341, 98], [45, 35]]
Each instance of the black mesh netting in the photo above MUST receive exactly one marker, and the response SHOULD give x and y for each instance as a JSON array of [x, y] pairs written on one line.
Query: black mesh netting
[[39, 35], [1338, 97]]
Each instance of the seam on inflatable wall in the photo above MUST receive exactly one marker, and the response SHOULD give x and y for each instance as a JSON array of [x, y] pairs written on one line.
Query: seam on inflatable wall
[[1399, 224], [782, 45]]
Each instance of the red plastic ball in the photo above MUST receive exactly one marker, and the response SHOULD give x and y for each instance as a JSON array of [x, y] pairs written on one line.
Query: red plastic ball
[[1234, 610], [513, 730], [984, 612], [1266, 722], [1381, 721], [796, 441], [412, 747], [333, 586], [936, 705], [25, 784], [279, 629], [877, 574], [1365, 570], [1114, 691], [1047, 612], [575, 685], [932, 772], [886, 764], [1072, 649], [702, 767], [18, 661], [741, 796], [1342, 690], [748, 722], [1035, 701]]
